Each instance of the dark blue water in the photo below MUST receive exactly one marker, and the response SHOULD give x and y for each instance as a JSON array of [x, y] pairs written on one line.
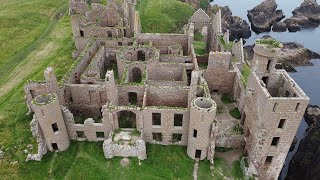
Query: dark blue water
[[307, 77], [306, 37]]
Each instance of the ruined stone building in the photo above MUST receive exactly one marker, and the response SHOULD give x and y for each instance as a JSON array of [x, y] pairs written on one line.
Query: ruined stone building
[[125, 80]]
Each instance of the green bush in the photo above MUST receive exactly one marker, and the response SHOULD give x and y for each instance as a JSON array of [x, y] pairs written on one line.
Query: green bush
[[204, 4], [163, 16], [235, 113], [237, 129], [227, 98]]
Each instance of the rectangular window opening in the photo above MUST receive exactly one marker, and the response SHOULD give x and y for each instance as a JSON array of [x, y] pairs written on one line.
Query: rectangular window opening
[[195, 133], [198, 154], [275, 141], [268, 160], [297, 107], [281, 123], [157, 137], [178, 119], [156, 119], [80, 134], [176, 138], [100, 134], [55, 146], [269, 65], [55, 127]]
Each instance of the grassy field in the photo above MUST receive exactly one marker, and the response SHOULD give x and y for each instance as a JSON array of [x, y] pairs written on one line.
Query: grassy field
[[36, 34], [163, 16]]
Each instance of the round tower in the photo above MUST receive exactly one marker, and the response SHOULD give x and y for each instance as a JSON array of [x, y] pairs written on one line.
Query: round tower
[[202, 115], [265, 51], [48, 112]]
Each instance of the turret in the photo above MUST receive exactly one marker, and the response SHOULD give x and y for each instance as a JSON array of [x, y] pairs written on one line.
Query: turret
[[48, 112], [202, 114], [264, 52]]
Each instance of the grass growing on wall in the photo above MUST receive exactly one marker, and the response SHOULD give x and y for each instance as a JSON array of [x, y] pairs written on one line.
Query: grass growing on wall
[[245, 73], [163, 16], [200, 48]]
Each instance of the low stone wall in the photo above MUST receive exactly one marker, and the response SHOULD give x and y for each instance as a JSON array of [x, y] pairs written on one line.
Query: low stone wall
[[112, 149], [230, 141]]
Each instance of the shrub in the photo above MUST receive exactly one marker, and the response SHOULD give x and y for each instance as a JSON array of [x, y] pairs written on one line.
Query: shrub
[[227, 98], [235, 113]]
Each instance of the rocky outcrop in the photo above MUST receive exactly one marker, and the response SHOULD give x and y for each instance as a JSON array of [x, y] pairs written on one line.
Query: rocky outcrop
[[279, 27], [306, 162], [237, 27], [296, 54], [291, 54], [305, 16], [263, 16]]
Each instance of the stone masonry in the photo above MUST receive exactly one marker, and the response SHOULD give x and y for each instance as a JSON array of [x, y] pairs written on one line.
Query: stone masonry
[[123, 79]]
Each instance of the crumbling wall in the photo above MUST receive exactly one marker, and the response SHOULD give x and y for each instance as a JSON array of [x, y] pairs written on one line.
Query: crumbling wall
[[162, 41], [263, 114], [219, 76], [42, 146], [112, 149], [166, 72], [168, 96]]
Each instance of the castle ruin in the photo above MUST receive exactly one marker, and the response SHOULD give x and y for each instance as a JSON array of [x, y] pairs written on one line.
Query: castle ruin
[[128, 88]]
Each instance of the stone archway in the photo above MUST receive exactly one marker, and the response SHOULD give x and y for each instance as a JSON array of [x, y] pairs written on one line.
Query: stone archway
[[127, 119], [136, 75]]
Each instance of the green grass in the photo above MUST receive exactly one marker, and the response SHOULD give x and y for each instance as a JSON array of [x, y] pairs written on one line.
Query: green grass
[[227, 98], [163, 16], [245, 74], [198, 36], [86, 160], [235, 113], [237, 129], [200, 48], [221, 170], [53, 49], [271, 43], [24, 25]]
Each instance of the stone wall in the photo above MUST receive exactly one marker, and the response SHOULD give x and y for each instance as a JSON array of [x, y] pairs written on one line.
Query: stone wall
[[262, 123], [167, 96], [218, 74], [164, 40]]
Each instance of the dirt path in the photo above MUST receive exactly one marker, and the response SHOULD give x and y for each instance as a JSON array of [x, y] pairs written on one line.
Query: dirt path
[[29, 58]]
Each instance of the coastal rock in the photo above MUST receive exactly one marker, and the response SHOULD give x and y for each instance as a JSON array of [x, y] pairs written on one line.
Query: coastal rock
[[305, 16], [291, 54], [305, 164], [279, 27], [237, 27], [296, 54], [263, 16]]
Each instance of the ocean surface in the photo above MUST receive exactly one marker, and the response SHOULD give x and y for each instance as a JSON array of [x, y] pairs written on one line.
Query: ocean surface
[[307, 77]]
